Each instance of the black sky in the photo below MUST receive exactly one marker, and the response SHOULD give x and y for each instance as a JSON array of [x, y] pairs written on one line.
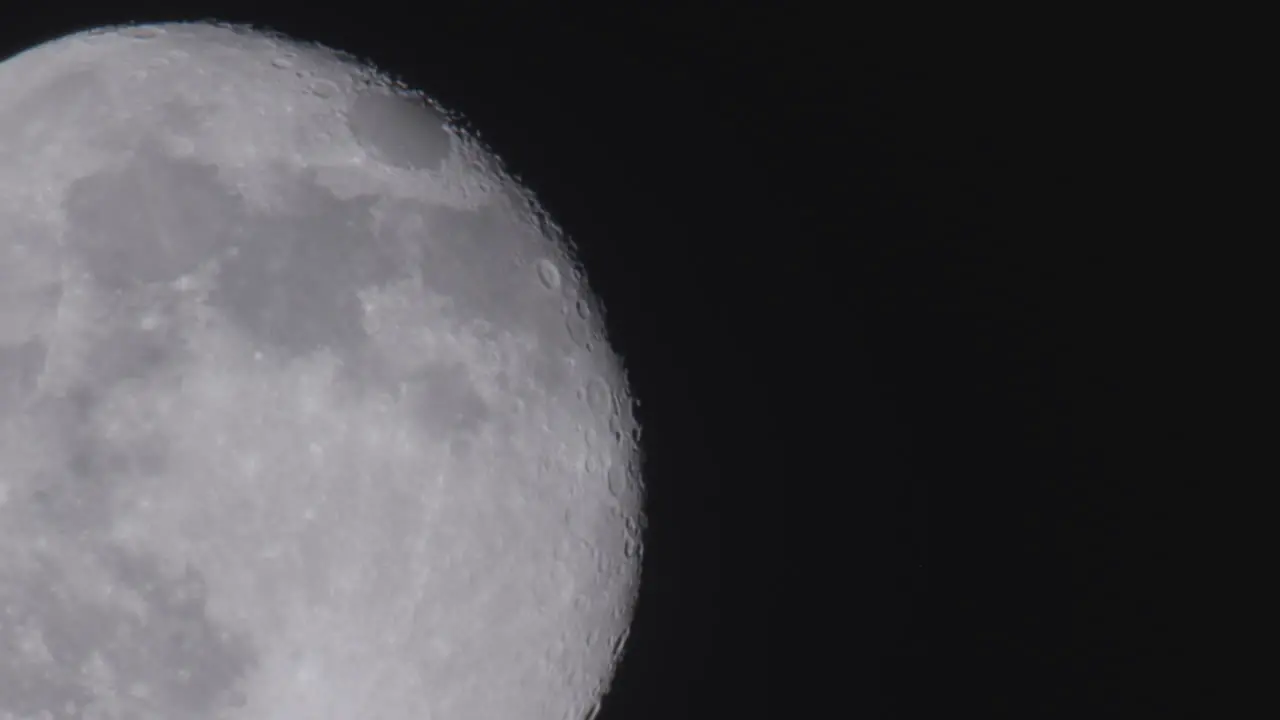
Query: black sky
[[874, 296]]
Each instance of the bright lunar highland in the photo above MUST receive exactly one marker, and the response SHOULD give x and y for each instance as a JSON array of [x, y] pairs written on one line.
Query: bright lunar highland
[[306, 408]]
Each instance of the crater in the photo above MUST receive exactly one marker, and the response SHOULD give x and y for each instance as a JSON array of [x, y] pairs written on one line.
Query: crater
[[548, 274], [142, 32], [323, 89]]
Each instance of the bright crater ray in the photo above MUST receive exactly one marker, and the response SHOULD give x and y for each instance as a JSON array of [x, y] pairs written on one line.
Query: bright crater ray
[[304, 409]]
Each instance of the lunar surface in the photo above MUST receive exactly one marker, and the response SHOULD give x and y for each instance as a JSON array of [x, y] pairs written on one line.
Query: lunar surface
[[306, 408]]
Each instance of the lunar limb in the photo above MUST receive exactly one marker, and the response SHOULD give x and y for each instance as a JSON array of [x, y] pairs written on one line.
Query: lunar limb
[[306, 409]]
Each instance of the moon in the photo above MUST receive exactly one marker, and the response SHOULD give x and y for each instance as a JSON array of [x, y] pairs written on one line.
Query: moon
[[306, 407]]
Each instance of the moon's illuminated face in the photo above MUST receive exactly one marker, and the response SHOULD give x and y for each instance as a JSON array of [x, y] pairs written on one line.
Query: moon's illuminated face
[[304, 409]]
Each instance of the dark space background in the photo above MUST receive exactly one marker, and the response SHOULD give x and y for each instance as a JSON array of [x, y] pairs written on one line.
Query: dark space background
[[878, 298]]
